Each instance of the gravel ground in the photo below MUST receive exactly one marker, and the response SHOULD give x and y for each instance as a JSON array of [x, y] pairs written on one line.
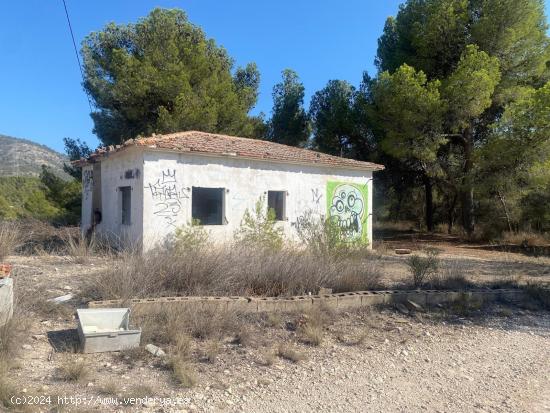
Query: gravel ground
[[495, 360]]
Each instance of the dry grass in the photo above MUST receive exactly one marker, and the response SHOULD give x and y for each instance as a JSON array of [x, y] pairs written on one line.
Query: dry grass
[[451, 275], [211, 350], [73, 370], [10, 238], [231, 270], [182, 372], [353, 340], [78, 248], [525, 238], [245, 336], [312, 335], [267, 358], [109, 388], [287, 352]]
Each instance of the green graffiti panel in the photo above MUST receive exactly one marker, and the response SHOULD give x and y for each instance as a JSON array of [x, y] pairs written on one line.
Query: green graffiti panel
[[347, 205]]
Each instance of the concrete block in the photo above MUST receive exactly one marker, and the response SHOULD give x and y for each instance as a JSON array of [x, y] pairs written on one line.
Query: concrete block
[[348, 301], [325, 301], [298, 303], [372, 298], [242, 304], [6, 300]]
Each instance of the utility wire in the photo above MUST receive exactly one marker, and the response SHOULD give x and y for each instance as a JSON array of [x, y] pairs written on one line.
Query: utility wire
[[76, 51]]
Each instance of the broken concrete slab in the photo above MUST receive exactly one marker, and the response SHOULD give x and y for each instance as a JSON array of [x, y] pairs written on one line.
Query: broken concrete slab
[[154, 350], [412, 306], [62, 298]]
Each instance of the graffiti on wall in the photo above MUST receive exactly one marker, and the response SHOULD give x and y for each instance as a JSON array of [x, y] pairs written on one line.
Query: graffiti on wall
[[167, 196], [347, 206], [87, 182]]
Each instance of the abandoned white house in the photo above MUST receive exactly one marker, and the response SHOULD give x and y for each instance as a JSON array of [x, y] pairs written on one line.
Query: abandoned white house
[[146, 188]]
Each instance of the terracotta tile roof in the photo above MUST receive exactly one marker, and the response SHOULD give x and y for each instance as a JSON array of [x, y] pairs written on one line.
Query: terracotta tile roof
[[224, 145]]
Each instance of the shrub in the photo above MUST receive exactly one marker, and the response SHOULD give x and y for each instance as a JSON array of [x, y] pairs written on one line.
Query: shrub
[[182, 372], [286, 352], [311, 334], [324, 236], [10, 238], [230, 270], [259, 228], [79, 248], [451, 275], [421, 268], [192, 236], [73, 371]]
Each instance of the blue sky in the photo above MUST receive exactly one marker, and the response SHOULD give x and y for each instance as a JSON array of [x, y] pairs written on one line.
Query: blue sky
[[41, 97]]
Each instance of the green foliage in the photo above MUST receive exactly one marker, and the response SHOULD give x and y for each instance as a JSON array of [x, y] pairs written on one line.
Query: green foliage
[[192, 236], [259, 228], [470, 87], [332, 117], [324, 237], [25, 197], [409, 108], [75, 150], [162, 74], [289, 123], [65, 195], [487, 55]]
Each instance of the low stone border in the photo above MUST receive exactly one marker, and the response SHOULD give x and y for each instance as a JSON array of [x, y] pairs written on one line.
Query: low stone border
[[340, 301]]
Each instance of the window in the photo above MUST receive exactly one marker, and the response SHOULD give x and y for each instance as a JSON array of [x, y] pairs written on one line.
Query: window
[[207, 205], [276, 201], [126, 204]]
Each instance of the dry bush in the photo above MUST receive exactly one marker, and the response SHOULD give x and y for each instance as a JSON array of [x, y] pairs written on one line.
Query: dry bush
[[540, 293], [286, 352], [273, 319], [451, 275], [355, 340], [311, 334], [73, 370], [245, 336], [230, 270], [267, 358], [182, 372], [7, 389], [525, 238], [211, 350], [109, 388], [140, 391], [10, 238], [421, 268], [78, 247], [43, 238]]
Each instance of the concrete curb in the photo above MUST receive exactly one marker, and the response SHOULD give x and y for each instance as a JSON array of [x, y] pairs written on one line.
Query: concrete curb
[[6, 300], [340, 301]]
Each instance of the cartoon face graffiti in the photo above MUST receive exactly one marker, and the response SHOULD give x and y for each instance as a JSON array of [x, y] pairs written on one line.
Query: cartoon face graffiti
[[347, 208]]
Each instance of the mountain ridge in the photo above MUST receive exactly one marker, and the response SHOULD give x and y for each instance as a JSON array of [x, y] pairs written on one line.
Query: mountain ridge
[[23, 157]]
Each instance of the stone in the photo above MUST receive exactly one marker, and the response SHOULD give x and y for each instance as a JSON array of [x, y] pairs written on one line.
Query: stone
[[402, 309], [26, 347], [412, 306], [154, 350], [61, 299], [402, 251]]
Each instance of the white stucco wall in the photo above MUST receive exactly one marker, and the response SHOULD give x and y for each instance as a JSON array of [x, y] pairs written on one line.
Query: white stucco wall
[[245, 181], [120, 169]]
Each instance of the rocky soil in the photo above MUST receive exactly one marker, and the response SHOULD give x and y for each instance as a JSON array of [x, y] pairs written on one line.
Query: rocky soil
[[492, 360]]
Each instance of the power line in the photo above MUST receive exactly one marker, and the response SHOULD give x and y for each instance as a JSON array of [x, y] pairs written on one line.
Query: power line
[[76, 51]]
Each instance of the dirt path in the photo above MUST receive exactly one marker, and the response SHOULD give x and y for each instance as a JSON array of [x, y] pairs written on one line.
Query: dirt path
[[447, 369]]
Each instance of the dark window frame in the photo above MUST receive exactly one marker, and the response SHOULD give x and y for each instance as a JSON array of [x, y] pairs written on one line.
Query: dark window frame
[[125, 205], [209, 214], [273, 199]]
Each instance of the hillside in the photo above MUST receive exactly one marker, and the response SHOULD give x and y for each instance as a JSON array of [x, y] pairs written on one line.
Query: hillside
[[21, 157]]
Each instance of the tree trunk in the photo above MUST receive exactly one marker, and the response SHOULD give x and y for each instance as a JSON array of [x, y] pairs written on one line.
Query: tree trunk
[[467, 192], [451, 214], [505, 207], [429, 202]]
